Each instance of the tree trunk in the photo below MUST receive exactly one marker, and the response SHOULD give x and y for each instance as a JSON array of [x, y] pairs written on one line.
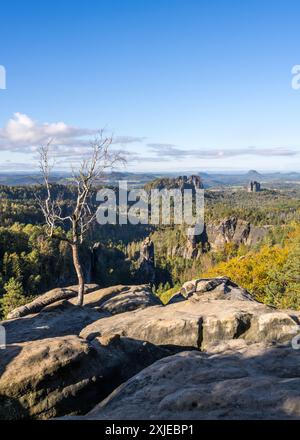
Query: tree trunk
[[79, 273]]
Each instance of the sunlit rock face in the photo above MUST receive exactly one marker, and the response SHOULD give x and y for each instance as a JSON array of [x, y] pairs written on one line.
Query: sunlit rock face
[[212, 339]]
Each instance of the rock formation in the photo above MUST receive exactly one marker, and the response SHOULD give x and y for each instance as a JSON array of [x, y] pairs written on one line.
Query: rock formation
[[236, 355], [47, 370], [193, 182], [232, 381], [196, 244], [234, 230], [147, 264], [216, 235], [210, 311], [254, 186], [67, 375], [49, 298]]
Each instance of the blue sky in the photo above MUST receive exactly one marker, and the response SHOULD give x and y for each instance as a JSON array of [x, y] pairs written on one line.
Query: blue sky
[[182, 84]]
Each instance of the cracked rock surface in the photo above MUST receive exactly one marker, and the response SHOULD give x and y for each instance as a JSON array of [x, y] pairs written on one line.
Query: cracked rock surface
[[237, 381], [212, 352]]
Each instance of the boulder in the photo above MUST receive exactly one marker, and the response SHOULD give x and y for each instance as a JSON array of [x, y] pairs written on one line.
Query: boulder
[[58, 319], [65, 359], [64, 317], [214, 288], [67, 375], [48, 298], [274, 326], [113, 300], [241, 382], [120, 299], [197, 323]]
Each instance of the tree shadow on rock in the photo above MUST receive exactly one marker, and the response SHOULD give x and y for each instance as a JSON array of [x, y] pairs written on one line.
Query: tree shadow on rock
[[61, 319]]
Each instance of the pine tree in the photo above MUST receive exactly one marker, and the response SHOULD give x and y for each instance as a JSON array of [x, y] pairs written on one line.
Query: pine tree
[[14, 296]]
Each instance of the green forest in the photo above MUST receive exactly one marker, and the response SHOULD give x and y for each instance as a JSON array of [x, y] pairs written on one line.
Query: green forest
[[31, 263]]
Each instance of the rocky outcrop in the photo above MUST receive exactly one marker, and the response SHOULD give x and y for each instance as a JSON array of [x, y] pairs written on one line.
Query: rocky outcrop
[[47, 298], [59, 319], [216, 235], [236, 231], [120, 299], [196, 244], [254, 186], [115, 299], [146, 272], [64, 318], [67, 375], [65, 359], [212, 288], [193, 182], [232, 381], [47, 370], [215, 310]]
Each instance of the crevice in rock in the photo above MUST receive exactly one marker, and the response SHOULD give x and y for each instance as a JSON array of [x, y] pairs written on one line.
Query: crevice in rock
[[200, 334], [244, 324]]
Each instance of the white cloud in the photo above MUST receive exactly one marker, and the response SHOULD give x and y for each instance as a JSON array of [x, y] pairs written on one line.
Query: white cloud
[[169, 151], [22, 134]]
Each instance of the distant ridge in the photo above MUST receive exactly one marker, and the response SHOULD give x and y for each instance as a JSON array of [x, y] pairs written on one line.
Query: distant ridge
[[253, 173]]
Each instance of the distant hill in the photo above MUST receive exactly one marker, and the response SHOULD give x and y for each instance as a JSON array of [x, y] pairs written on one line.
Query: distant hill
[[253, 174], [268, 180], [138, 180]]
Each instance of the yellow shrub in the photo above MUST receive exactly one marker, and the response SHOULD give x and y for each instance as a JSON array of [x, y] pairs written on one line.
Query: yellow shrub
[[251, 271]]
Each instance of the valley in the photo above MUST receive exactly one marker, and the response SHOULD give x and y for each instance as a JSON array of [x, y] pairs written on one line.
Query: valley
[[239, 226]]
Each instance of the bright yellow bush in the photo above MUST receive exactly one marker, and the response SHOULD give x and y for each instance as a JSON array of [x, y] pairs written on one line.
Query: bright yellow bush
[[270, 274]]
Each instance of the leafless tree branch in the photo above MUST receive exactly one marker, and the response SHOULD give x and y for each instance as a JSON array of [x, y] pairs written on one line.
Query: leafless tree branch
[[89, 174]]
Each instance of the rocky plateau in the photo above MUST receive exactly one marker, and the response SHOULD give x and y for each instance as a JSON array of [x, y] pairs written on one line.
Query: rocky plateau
[[213, 352]]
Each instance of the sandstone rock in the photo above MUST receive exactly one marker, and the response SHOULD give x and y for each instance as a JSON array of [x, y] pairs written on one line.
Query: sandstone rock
[[59, 319], [63, 317], [108, 339], [197, 324], [241, 382], [188, 288], [67, 375], [146, 272], [208, 284], [180, 330], [160, 327], [218, 288], [122, 299], [216, 235], [112, 300], [221, 288], [234, 230], [47, 298], [98, 297], [65, 359], [274, 326]]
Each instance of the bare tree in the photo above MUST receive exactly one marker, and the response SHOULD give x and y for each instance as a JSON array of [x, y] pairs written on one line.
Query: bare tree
[[83, 214]]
